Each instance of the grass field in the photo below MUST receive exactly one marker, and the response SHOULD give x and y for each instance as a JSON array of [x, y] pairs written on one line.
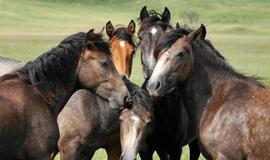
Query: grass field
[[239, 29]]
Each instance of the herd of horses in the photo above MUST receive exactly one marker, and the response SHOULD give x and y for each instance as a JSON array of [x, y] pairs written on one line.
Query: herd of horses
[[77, 98]]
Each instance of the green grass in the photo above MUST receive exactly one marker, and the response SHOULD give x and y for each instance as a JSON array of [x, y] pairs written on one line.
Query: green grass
[[239, 29]]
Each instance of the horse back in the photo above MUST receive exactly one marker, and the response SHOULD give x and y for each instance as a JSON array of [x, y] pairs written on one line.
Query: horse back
[[239, 115]]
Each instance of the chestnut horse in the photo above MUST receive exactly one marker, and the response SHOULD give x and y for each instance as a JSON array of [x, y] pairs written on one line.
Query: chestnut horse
[[173, 127], [32, 97], [231, 111], [122, 46]]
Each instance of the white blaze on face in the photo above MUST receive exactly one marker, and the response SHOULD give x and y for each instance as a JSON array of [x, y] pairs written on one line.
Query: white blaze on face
[[154, 31], [122, 44], [160, 68]]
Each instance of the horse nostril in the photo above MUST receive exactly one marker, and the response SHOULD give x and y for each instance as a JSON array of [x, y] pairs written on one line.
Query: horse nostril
[[149, 72], [154, 86], [157, 86]]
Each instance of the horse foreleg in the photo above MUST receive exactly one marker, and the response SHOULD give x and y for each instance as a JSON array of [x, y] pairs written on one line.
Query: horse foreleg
[[69, 150], [114, 152], [194, 150], [175, 154], [54, 154], [163, 155], [146, 155]]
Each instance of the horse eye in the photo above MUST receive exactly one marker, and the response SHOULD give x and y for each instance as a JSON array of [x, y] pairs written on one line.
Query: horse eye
[[180, 54], [103, 64]]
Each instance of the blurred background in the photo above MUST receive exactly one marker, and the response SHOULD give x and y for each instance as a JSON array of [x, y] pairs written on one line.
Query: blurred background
[[239, 29]]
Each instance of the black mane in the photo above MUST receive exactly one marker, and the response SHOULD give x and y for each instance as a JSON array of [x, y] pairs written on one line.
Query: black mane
[[214, 60], [169, 38], [55, 69], [122, 33], [98, 44], [153, 19], [140, 97]]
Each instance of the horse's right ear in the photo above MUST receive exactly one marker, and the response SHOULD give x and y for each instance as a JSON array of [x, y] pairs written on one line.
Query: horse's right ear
[[131, 27], [166, 15], [90, 37], [144, 14], [177, 26], [198, 34], [110, 29]]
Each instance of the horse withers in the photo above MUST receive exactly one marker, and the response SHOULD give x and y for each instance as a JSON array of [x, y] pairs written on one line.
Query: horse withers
[[230, 110], [32, 97]]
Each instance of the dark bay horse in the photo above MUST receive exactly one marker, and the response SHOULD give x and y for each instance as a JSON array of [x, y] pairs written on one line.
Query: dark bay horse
[[122, 46], [173, 127], [231, 111], [32, 97]]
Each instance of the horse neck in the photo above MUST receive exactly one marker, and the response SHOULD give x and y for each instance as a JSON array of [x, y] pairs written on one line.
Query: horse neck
[[63, 93], [196, 91], [205, 80], [109, 117]]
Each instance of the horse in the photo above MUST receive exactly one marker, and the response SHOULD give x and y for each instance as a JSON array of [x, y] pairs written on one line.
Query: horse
[[98, 125], [122, 46], [230, 110], [92, 125], [136, 121], [32, 96], [173, 127], [152, 26]]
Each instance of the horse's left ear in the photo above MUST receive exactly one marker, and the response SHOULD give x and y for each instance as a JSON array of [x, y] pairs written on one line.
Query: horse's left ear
[[166, 15], [131, 27], [110, 29], [90, 37], [198, 34], [177, 26]]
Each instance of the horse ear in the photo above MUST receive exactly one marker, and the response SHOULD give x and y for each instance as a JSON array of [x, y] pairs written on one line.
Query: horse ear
[[144, 14], [166, 15], [110, 29], [198, 34], [90, 37], [131, 27], [177, 26]]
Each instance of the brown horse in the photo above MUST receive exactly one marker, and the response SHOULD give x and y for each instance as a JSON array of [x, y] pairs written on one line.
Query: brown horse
[[122, 46], [92, 125], [32, 97], [231, 111]]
